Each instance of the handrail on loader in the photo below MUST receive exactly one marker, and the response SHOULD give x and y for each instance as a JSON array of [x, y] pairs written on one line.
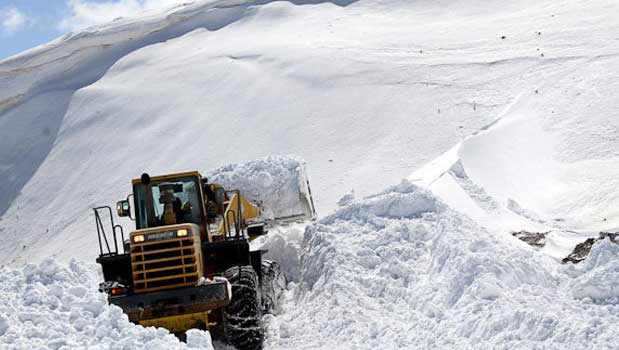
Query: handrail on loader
[[101, 232]]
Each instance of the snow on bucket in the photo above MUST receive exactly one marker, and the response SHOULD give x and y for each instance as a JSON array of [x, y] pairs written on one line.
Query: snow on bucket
[[279, 185]]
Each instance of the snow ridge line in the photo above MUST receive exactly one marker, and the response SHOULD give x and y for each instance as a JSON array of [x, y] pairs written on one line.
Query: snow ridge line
[[92, 52], [433, 171]]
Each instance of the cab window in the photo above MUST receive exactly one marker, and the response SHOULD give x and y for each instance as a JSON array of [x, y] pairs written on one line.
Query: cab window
[[181, 196]]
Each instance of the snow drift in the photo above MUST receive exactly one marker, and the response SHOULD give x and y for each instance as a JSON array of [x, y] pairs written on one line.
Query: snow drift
[[524, 171], [396, 270], [366, 93], [56, 307], [400, 270]]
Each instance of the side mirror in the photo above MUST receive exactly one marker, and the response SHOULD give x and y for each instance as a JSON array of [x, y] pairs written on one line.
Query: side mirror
[[123, 208]]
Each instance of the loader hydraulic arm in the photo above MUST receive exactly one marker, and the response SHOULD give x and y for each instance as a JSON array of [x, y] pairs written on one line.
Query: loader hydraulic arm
[[237, 211]]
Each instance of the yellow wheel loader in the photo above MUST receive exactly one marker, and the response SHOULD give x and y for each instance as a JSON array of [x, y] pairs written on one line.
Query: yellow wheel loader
[[188, 264]]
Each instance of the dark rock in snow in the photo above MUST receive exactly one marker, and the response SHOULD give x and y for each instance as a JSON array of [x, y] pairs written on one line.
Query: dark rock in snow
[[582, 250], [535, 239]]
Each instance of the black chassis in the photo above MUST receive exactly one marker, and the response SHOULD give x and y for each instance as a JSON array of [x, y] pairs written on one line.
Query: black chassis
[[218, 257], [173, 302]]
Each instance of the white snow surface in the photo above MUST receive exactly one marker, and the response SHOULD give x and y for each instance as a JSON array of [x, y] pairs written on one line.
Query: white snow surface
[[365, 91], [400, 270], [277, 184], [504, 113], [526, 171], [53, 306], [396, 270]]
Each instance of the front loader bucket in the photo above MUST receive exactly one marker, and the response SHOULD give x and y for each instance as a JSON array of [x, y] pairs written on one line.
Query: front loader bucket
[[305, 196], [278, 185]]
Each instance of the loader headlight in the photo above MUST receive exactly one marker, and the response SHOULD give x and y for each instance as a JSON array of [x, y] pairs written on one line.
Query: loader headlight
[[181, 233], [138, 238]]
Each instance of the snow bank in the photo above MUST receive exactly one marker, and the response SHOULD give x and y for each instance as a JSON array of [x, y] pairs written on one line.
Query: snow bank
[[277, 184], [400, 270], [599, 282], [55, 307]]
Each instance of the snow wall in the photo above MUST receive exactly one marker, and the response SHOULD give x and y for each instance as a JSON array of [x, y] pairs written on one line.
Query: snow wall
[[400, 270], [52, 306], [397, 270]]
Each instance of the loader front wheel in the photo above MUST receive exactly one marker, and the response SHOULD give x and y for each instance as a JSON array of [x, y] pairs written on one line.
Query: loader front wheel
[[243, 316]]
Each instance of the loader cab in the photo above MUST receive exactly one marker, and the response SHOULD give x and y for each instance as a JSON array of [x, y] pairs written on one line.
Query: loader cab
[[168, 200]]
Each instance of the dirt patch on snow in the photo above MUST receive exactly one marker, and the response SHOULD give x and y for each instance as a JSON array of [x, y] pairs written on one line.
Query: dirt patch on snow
[[582, 250], [535, 239]]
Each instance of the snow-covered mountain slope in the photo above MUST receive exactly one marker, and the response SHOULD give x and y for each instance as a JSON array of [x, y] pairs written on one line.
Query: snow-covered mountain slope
[[366, 92], [505, 111], [548, 163]]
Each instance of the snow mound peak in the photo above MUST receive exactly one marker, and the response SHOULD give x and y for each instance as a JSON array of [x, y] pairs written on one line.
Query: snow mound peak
[[402, 201]]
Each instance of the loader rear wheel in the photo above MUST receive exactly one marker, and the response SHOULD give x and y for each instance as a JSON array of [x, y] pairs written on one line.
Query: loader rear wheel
[[273, 286], [243, 316]]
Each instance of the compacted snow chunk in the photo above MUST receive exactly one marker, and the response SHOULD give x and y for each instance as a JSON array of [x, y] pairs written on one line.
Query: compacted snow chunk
[[400, 270], [54, 307], [277, 184]]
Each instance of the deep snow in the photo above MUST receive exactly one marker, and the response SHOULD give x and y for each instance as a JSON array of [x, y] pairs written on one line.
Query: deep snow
[[397, 270], [277, 184], [366, 92], [400, 270], [546, 164], [503, 112], [53, 306]]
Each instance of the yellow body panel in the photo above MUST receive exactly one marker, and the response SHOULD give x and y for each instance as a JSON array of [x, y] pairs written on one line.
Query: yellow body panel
[[179, 323], [177, 261], [170, 176], [248, 211]]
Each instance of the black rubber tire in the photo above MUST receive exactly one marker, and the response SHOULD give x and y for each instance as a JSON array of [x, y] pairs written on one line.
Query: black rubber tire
[[243, 316], [273, 286]]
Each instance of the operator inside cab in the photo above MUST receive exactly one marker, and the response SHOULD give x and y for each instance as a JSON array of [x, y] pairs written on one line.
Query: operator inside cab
[[174, 210], [168, 202]]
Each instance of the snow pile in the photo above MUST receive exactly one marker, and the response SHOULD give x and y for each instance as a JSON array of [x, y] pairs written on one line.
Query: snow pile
[[54, 307], [277, 184], [347, 199], [599, 283], [401, 270], [284, 246]]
